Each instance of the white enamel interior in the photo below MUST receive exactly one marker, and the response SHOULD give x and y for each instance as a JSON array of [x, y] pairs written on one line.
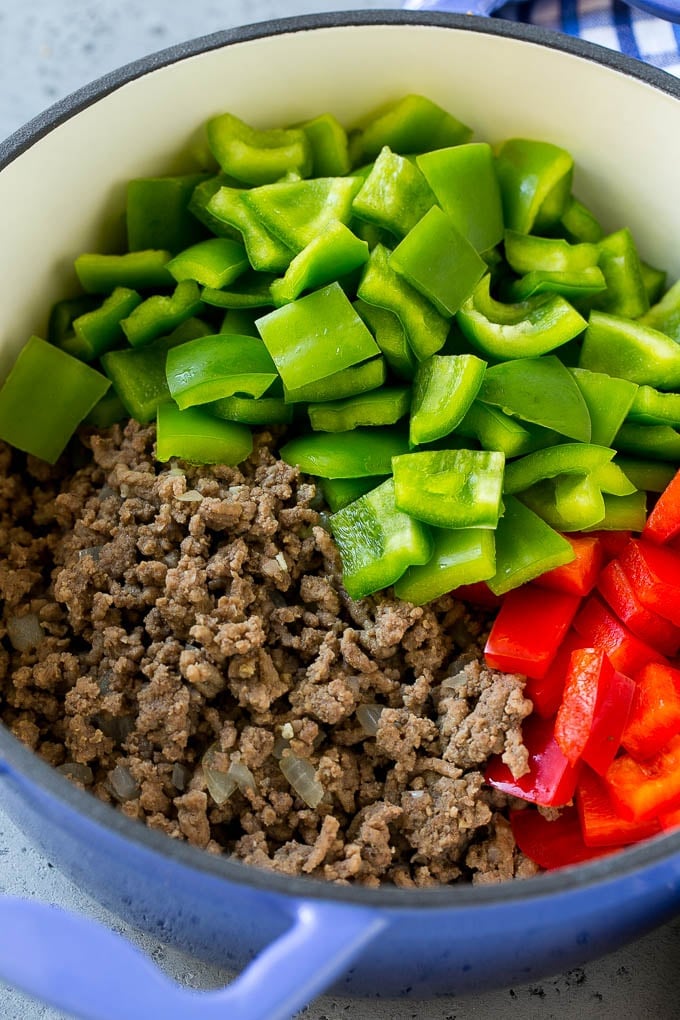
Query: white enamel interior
[[64, 195]]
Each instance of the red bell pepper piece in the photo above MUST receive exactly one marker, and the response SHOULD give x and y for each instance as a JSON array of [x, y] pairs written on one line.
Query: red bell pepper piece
[[550, 781], [546, 692], [612, 542], [478, 594], [616, 589], [663, 523], [611, 715], [552, 843], [669, 819], [601, 823], [643, 790], [654, 573], [599, 628], [580, 575], [655, 713], [529, 630], [588, 672]]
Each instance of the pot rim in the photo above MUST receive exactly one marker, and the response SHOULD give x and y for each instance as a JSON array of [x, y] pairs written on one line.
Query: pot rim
[[28, 765]]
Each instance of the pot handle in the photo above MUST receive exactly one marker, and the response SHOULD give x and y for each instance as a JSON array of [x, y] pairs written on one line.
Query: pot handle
[[87, 971]]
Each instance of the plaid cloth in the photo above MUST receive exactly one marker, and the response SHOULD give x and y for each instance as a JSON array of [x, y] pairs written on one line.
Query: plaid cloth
[[610, 23]]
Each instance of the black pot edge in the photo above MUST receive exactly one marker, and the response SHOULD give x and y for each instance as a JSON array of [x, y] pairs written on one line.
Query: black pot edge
[[26, 763]]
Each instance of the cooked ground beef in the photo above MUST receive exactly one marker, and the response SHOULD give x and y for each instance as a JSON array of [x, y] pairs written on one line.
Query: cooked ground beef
[[168, 630]]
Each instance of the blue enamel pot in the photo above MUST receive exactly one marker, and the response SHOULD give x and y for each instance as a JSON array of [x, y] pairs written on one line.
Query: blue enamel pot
[[295, 937]]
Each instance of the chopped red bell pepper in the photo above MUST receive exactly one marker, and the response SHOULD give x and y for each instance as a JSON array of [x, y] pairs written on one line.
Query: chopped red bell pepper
[[655, 713], [654, 573], [599, 628], [601, 823], [478, 594], [611, 715], [663, 523], [580, 576], [616, 589], [612, 542], [589, 672], [546, 692], [643, 790], [669, 819], [529, 629], [552, 843], [550, 781]]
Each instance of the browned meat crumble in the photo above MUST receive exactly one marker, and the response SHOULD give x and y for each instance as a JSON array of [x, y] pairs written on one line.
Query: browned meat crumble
[[170, 628]]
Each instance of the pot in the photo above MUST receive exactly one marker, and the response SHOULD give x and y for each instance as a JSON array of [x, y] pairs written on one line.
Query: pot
[[62, 183]]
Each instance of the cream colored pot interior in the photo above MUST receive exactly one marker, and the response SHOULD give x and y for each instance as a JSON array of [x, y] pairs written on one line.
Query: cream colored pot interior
[[65, 194]]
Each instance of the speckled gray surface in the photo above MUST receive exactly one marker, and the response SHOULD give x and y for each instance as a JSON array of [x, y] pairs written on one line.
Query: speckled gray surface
[[48, 49]]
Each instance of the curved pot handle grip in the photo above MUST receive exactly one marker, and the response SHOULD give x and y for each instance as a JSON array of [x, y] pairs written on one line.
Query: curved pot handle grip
[[87, 971]]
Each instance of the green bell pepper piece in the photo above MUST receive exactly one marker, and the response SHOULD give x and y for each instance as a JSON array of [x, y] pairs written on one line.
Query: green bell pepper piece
[[340, 492], [541, 391], [316, 336], [204, 370], [654, 281], [158, 215], [608, 400], [579, 223], [630, 350], [335, 252], [161, 313], [384, 406], [46, 395], [450, 488], [526, 547], [349, 382], [257, 157], [296, 212], [574, 286], [439, 262], [199, 437], [611, 480], [200, 199], [216, 262], [525, 252], [62, 314], [411, 124], [356, 454], [266, 253], [495, 430], [390, 337], [426, 330], [377, 542], [138, 377], [535, 182], [100, 330], [250, 291], [664, 316], [241, 321], [650, 407], [623, 513], [645, 475], [443, 391], [566, 503], [526, 329], [394, 195], [138, 270], [265, 410], [657, 442], [463, 179], [108, 410], [563, 459], [328, 144], [462, 556], [626, 294]]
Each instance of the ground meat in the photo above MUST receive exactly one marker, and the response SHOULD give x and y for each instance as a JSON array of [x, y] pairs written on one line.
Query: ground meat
[[151, 644]]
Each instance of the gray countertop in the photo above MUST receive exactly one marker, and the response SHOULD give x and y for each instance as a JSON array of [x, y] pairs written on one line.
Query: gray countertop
[[48, 49]]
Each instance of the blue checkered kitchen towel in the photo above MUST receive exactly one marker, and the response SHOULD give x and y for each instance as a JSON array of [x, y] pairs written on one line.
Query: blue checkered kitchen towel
[[610, 23]]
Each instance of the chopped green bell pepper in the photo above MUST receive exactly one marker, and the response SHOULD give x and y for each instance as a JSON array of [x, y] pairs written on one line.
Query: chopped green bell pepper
[[46, 395], [199, 437], [461, 556], [657, 442], [100, 330], [526, 547], [138, 270], [211, 367], [138, 377], [316, 336], [216, 262], [566, 503], [450, 488], [158, 215], [296, 212], [108, 410], [349, 382], [266, 253], [328, 144], [619, 261], [574, 286], [463, 179], [377, 542], [650, 407], [390, 337], [161, 313], [563, 459], [394, 195], [63, 313], [579, 223], [664, 316], [252, 290], [384, 406], [443, 391], [535, 182], [356, 454], [335, 252], [411, 124], [630, 350], [495, 430], [623, 513], [523, 330], [257, 157], [438, 261], [647, 476], [340, 492], [266, 410], [608, 400]]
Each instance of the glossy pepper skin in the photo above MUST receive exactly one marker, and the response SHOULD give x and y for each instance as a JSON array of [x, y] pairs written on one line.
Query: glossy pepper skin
[[254, 156], [550, 781], [138, 270], [525, 547], [554, 843], [199, 437], [443, 391], [450, 488], [535, 182], [412, 124], [529, 629], [211, 367], [460, 556]]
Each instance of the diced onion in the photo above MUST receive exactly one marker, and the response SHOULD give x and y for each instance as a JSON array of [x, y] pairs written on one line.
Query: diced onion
[[123, 784], [25, 632], [190, 496], [301, 775], [75, 770], [221, 785], [369, 717]]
